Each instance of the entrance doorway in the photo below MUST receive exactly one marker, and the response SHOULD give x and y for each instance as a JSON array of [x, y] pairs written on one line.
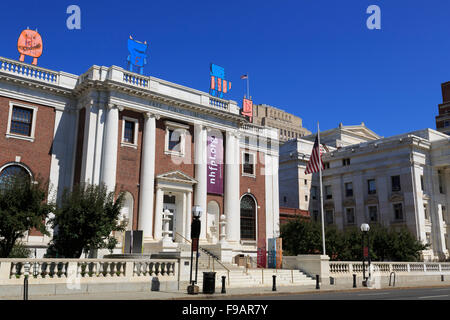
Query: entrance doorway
[[170, 204]]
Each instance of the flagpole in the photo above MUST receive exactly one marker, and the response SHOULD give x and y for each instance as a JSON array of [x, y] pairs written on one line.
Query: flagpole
[[321, 193], [248, 89]]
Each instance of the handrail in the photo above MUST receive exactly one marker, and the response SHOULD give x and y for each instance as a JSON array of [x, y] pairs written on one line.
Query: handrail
[[211, 255]]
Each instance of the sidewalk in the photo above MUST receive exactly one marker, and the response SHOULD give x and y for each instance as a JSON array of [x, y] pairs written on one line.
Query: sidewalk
[[231, 293]]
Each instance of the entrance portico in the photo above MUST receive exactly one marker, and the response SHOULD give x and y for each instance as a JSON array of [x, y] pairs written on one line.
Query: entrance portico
[[174, 193]]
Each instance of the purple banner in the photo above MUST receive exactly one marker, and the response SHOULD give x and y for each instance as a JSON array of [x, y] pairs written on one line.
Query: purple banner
[[215, 164]]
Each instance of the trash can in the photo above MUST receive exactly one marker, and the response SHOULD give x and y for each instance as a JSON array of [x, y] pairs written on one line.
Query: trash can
[[209, 282]]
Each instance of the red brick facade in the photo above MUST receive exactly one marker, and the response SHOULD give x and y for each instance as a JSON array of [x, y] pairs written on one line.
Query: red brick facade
[[35, 155], [256, 185]]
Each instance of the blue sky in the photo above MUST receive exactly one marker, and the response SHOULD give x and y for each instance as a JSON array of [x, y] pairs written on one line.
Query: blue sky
[[316, 59]]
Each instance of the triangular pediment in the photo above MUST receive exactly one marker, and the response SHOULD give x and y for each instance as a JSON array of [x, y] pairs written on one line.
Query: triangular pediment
[[176, 176], [362, 132]]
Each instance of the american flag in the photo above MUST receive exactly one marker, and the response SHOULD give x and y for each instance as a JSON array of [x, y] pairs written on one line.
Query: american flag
[[316, 158]]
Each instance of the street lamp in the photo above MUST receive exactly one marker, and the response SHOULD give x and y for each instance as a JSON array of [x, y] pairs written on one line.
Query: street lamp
[[195, 234], [365, 232]]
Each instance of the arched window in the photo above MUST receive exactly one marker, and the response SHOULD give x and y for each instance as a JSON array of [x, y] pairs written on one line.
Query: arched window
[[13, 170], [248, 218]]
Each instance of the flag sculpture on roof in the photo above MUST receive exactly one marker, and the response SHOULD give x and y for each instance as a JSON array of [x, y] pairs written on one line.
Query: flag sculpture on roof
[[315, 161]]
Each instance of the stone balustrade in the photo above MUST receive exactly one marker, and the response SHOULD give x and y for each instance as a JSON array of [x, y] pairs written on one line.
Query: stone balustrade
[[347, 268], [119, 75], [12, 271], [32, 72]]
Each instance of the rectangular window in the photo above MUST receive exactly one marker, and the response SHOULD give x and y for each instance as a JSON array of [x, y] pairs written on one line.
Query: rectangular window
[[314, 193], [269, 143], [329, 216], [441, 182], [350, 213], [128, 134], [306, 182], [306, 198], [326, 165], [425, 211], [395, 182], [174, 140], [21, 121], [421, 183], [373, 213], [398, 211], [371, 186], [349, 189], [248, 164], [328, 194], [315, 215], [346, 162]]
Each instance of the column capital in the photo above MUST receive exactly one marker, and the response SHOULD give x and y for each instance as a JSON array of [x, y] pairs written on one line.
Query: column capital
[[110, 106], [148, 115]]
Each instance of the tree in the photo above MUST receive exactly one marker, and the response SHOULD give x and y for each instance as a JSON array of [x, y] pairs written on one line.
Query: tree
[[304, 237], [85, 220], [22, 207], [403, 246], [301, 237]]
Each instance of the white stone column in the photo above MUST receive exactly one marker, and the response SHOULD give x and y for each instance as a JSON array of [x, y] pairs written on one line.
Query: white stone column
[[110, 151], [183, 219], [158, 213], [200, 196], [188, 216], [232, 188], [147, 180]]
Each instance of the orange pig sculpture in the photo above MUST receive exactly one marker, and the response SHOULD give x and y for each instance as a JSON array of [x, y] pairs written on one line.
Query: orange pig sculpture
[[30, 44]]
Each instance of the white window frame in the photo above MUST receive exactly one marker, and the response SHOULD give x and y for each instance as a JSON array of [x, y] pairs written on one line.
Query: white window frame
[[33, 122], [182, 129], [332, 215], [253, 154], [368, 213], [136, 131], [403, 219], [354, 216]]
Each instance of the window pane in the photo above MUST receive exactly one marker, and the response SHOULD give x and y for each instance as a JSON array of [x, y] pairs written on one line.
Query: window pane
[[373, 213], [248, 218], [248, 163], [395, 183], [372, 189], [350, 215], [21, 121], [349, 189], [174, 140], [129, 132]]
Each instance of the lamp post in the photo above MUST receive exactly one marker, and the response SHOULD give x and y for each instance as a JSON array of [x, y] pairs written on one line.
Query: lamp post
[[195, 234], [365, 232]]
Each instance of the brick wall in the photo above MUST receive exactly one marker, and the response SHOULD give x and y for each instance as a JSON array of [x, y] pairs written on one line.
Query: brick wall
[[129, 163], [258, 190], [35, 155]]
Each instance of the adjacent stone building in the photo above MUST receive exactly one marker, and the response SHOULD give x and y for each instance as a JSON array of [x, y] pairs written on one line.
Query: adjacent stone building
[[167, 146], [288, 125], [443, 119], [402, 180]]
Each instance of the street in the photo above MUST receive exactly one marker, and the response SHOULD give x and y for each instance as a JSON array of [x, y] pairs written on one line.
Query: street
[[434, 293]]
